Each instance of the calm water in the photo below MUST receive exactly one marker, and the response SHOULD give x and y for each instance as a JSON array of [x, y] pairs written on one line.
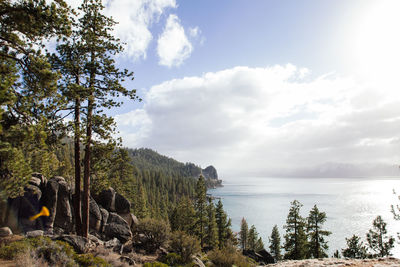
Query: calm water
[[351, 204]]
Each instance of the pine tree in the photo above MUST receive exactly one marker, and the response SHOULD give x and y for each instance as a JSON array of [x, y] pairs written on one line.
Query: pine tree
[[223, 224], [94, 79], [243, 234], [275, 244], [183, 217], [259, 245], [378, 240], [295, 237], [316, 242], [211, 238], [201, 209], [252, 238], [355, 248]]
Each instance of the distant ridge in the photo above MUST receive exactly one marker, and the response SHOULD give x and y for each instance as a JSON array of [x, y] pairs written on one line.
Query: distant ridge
[[148, 159]]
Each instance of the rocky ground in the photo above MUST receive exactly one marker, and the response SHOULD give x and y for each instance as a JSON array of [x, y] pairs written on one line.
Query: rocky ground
[[331, 262]]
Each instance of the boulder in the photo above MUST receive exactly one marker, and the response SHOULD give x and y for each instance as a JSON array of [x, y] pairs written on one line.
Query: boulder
[[5, 231], [107, 199], [43, 180], [122, 205], [261, 256], [127, 260], [120, 231], [95, 215], [35, 181], [63, 216], [79, 243], [50, 196], [113, 243], [34, 233], [104, 218], [115, 218]]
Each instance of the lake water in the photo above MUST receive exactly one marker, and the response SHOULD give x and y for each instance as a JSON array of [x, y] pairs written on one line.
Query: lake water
[[351, 204]]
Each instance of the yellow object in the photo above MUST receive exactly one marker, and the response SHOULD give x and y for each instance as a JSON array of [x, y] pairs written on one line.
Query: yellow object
[[43, 212]]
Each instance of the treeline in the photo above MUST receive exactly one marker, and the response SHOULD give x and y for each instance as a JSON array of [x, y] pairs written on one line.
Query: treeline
[[305, 238]]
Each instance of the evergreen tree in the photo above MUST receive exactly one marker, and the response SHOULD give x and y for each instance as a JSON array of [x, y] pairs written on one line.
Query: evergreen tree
[[259, 245], [275, 244], [295, 237], [252, 238], [211, 238], [316, 242], [26, 86], [223, 224], [378, 240], [183, 217], [99, 79], [243, 234], [355, 248], [201, 209]]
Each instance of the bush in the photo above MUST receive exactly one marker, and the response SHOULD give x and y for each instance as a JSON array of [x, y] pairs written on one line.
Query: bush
[[184, 245], [152, 233], [45, 251], [88, 260], [228, 257], [155, 264]]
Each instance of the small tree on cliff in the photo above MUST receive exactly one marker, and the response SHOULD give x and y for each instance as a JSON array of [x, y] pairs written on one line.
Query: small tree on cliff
[[316, 242], [223, 225], [295, 237], [378, 240], [355, 248]]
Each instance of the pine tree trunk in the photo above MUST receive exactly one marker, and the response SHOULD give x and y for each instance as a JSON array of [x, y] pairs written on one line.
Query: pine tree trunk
[[86, 173], [77, 196]]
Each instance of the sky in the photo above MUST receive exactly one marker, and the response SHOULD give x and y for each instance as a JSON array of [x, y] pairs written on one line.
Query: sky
[[262, 87]]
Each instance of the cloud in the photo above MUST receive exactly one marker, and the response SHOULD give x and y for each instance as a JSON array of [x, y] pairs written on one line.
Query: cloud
[[269, 121], [173, 46], [135, 20]]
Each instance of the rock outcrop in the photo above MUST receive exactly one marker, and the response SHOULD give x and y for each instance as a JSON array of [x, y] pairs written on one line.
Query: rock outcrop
[[210, 173], [109, 213]]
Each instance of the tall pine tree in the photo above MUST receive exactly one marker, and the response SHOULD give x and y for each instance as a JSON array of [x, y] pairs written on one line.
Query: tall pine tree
[[201, 209], [275, 243], [295, 237], [243, 234], [316, 241]]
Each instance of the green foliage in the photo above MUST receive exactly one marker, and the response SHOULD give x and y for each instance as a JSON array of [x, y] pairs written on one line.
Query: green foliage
[[200, 205], [316, 241], [244, 234], [295, 237], [184, 245], [172, 259], [183, 216], [211, 238], [227, 257], [88, 260], [152, 233], [378, 240], [275, 243], [253, 241], [155, 264], [355, 248], [223, 224]]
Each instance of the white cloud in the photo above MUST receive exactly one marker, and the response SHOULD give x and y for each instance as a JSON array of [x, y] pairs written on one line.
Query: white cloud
[[273, 120], [135, 19], [173, 47]]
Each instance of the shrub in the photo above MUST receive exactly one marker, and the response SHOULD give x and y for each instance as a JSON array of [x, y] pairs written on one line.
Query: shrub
[[184, 245], [228, 257], [155, 264], [88, 260], [152, 233], [172, 259]]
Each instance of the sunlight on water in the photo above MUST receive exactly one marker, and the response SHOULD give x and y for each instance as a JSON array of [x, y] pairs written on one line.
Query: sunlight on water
[[351, 204]]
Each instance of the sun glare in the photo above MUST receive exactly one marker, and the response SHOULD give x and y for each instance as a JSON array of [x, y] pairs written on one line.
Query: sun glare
[[376, 47]]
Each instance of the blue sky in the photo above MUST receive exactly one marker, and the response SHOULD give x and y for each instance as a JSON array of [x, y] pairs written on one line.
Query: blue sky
[[250, 86]]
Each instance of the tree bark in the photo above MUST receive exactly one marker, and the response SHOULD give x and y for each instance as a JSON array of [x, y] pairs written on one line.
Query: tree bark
[[77, 196]]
